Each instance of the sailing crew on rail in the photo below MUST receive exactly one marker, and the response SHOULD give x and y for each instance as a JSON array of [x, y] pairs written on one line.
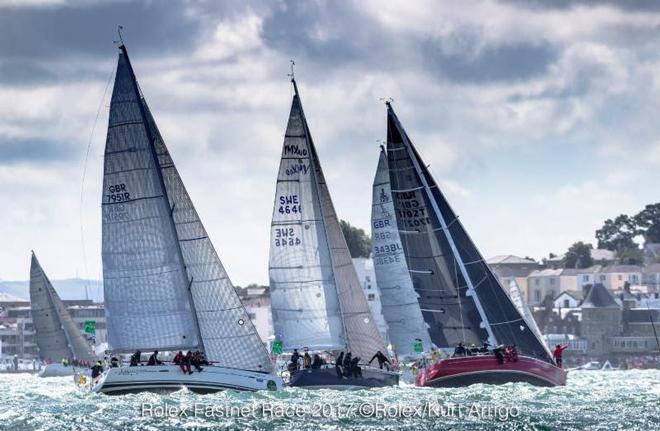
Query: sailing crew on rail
[[135, 358], [382, 359], [307, 360], [153, 359], [459, 350]]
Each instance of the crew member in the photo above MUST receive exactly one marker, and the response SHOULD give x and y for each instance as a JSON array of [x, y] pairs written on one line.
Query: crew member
[[135, 358], [459, 350], [97, 370], [557, 353], [307, 360], [317, 362], [382, 359], [153, 359]]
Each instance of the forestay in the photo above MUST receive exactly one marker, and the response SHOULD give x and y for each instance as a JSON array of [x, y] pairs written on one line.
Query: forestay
[[57, 335], [460, 297], [400, 302]]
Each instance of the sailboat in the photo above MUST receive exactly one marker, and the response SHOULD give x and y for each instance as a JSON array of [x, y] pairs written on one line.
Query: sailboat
[[57, 335], [459, 298], [317, 300], [165, 288]]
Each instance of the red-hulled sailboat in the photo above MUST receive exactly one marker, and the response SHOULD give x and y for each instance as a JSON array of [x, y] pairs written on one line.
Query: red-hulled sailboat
[[460, 299]]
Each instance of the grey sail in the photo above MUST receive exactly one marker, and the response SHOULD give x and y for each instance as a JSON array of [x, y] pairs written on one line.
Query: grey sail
[[399, 299], [57, 335], [228, 335], [304, 296], [147, 301], [360, 332], [460, 298]]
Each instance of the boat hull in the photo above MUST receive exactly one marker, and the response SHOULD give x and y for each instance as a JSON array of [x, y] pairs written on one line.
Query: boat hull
[[327, 378], [169, 378], [469, 370], [58, 370]]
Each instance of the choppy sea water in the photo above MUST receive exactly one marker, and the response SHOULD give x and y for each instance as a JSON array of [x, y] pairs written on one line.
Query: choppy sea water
[[626, 400]]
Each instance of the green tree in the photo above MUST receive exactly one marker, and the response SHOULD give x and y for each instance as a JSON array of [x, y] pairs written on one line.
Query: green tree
[[578, 256], [648, 223], [617, 234], [630, 256], [359, 243]]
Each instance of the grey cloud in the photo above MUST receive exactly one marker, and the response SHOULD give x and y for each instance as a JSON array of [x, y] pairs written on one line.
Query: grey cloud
[[632, 5], [51, 32], [491, 63], [16, 150]]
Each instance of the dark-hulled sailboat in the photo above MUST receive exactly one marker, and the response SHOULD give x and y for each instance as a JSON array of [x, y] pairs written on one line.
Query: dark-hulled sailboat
[[460, 299], [164, 285], [318, 302], [58, 338]]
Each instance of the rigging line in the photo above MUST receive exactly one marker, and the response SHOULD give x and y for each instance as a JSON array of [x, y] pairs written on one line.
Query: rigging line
[[84, 173]]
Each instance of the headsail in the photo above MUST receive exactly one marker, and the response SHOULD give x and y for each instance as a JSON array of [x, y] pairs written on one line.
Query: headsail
[[460, 297], [57, 335], [316, 292], [165, 287], [399, 300], [228, 335]]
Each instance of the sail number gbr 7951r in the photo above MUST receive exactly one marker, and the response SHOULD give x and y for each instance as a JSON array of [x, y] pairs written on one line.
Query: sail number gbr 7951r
[[117, 193]]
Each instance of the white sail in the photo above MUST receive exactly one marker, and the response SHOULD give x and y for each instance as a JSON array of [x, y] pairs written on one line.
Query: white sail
[[57, 335], [228, 335], [399, 300], [519, 301], [316, 291], [304, 297]]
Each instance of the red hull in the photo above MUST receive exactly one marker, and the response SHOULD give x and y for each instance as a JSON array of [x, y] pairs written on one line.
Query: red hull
[[468, 370]]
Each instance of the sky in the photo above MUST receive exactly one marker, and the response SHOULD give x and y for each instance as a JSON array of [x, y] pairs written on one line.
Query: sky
[[539, 119]]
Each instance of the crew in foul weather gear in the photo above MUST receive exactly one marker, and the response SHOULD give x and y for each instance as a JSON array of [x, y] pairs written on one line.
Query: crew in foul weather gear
[[557, 353], [317, 362], [135, 358], [459, 350], [307, 360]]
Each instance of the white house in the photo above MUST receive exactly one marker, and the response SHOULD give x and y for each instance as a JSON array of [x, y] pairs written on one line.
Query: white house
[[568, 299], [367, 276], [549, 282], [588, 276], [256, 300]]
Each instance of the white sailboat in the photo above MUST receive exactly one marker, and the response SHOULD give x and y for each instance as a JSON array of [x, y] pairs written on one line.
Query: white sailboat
[[317, 299], [58, 338], [164, 285]]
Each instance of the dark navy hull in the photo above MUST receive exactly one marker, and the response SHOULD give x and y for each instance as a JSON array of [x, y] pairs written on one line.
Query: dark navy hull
[[327, 378]]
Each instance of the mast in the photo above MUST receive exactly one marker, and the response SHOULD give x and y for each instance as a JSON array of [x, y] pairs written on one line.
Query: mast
[[471, 291], [151, 138]]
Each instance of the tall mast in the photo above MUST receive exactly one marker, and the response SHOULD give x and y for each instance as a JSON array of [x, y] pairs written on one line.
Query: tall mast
[[151, 138], [471, 290]]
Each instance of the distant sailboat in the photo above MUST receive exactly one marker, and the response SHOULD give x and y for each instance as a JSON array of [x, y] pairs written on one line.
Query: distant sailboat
[[164, 285], [460, 299], [57, 335], [318, 302]]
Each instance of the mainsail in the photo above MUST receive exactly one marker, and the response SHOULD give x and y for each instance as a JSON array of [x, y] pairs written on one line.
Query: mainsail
[[317, 298], [57, 335], [460, 298], [164, 285], [398, 297]]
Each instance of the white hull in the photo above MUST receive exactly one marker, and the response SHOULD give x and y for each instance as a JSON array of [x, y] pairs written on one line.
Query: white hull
[[168, 378], [59, 370]]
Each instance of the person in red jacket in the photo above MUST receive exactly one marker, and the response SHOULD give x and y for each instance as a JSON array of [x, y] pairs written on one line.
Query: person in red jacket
[[559, 349]]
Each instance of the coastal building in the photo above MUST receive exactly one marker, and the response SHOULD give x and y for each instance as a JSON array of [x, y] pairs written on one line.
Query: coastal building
[[599, 256], [509, 268], [651, 278], [549, 282], [587, 277], [568, 299], [614, 277], [367, 276], [601, 319]]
